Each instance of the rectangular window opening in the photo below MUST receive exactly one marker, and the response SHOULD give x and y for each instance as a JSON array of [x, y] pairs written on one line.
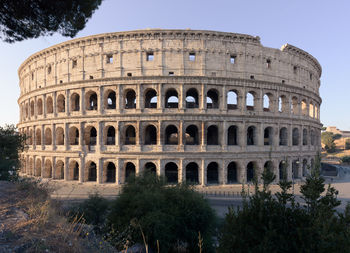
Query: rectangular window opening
[[232, 59], [149, 56], [109, 59], [74, 64], [91, 77], [171, 73], [295, 69], [192, 56], [252, 77], [129, 74]]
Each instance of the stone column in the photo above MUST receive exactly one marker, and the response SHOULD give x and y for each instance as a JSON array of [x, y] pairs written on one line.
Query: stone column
[[66, 169], [82, 169], [82, 101], [100, 168], [203, 173]]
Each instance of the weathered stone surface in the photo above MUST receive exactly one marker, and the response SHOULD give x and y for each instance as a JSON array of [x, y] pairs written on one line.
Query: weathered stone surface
[[175, 101]]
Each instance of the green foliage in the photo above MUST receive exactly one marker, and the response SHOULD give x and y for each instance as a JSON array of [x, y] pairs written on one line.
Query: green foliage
[[94, 211], [171, 215], [26, 19], [277, 223], [337, 136], [327, 139], [347, 144], [11, 142], [345, 159]]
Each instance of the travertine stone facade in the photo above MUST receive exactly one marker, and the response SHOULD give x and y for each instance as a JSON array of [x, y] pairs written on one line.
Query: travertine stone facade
[[203, 106]]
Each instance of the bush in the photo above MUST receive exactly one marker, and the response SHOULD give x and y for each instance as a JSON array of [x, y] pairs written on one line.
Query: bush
[[11, 142], [345, 159], [93, 211], [276, 223], [347, 144], [150, 212], [327, 139]]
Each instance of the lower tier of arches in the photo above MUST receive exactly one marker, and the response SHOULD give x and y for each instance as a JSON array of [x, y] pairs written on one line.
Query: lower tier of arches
[[204, 171]]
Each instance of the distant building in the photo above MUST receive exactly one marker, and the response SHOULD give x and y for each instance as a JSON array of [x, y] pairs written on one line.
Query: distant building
[[335, 130]]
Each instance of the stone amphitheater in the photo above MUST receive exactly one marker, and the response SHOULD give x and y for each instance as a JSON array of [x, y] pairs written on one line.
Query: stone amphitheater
[[201, 106]]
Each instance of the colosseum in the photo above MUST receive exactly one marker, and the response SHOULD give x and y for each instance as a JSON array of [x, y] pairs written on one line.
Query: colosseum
[[201, 106]]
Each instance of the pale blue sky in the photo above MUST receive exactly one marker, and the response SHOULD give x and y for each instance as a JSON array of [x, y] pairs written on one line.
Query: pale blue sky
[[320, 27]]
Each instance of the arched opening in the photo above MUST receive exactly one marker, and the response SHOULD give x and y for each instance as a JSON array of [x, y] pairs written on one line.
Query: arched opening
[[192, 173], [110, 136], [251, 135], [130, 171], [38, 137], [304, 107], [171, 99], [150, 167], [305, 174], [91, 171], [295, 169], [295, 137], [48, 169], [130, 135], [111, 172], [311, 110], [48, 136], [171, 135], [30, 137], [49, 105], [250, 171], [191, 98], [171, 173], [232, 173], [59, 169], [59, 136], [305, 137], [232, 100], [73, 136], [295, 105], [91, 101], [283, 136], [75, 102], [212, 135], [130, 99], [269, 166], [39, 106], [268, 136], [27, 112], [150, 135], [90, 136], [32, 108], [282, 103], [282, 170], [212, 99], [191, 135], [61, 103], [110, 101], [267, 102], [37, 169], [151, 99], [31, 167], [73, 170], [250, 101], [232, 135], [312, 137], [213, 173]]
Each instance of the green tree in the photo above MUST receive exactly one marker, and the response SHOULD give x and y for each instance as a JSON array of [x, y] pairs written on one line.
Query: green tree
[[279, 223], [26, 19], [347, 144], [328, 141], [11, 142], [149, 211]]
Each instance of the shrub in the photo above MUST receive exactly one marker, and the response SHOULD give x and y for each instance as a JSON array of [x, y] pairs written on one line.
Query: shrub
[[327, 139], [268, 223], [345, 159], [150, 212], [347, 144]]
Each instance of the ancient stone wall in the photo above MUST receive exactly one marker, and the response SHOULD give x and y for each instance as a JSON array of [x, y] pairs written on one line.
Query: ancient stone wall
[[203, 106]]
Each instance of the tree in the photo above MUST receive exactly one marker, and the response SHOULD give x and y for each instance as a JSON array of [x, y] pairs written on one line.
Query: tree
[[268, 223], [149, 211], [26, 19], [328, 141], [347, 144], [11, 142]]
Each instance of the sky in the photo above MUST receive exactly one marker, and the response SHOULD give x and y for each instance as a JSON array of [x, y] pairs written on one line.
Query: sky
[[320, 27]]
